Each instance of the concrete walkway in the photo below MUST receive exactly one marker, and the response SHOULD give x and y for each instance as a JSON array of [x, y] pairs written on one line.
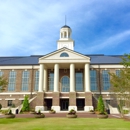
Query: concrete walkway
[[63, 115]]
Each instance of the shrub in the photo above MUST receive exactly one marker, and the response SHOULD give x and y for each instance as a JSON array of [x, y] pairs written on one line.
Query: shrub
[[25, 104], [100, 105]]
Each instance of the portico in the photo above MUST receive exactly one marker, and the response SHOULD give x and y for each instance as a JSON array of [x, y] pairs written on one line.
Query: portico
[[58, 75]]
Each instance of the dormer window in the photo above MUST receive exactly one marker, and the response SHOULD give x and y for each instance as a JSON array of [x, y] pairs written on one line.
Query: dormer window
[[64, 54]]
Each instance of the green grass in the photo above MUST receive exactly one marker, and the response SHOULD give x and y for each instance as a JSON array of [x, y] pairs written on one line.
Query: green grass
[[64, 124]]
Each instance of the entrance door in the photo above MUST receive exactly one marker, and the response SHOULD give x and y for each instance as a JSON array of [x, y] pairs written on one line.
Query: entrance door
[[64, 104]]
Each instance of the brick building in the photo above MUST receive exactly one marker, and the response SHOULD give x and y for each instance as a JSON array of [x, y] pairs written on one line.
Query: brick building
[[62, 80]]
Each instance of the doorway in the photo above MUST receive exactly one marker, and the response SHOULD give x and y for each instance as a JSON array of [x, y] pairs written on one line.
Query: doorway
[[64, 103], [80, 104], [48, 104]]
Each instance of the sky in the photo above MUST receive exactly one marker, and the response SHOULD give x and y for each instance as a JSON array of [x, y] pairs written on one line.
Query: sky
[[32, 27]]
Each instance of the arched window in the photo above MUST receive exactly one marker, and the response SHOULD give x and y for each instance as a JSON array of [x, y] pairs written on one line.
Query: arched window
[[61, 35], [64, 54], [65, 35], [65, 84]]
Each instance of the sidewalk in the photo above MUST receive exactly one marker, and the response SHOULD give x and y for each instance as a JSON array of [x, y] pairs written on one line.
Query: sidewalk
[[63, 115]]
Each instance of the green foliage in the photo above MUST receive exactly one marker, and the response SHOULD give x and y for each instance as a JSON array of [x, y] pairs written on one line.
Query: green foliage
[[120, 85], [25, 104], [4, 111], [100, 105], [3, 83], [9, 112]]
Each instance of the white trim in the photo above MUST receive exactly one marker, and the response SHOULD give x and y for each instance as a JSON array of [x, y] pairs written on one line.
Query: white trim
[[64, 97], [107, 66], [19, 67], [48, 97], [17, 93], [21, 98], [107, 98], [103, 93], [80, 97], [9, 98]]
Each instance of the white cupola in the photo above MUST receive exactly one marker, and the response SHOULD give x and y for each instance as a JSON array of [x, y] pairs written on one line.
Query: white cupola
[[65, 38]]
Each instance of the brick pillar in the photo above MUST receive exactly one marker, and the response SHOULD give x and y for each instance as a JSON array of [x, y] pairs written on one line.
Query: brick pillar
[[40, 101], [56, 101], [72, 101], [88, 101]]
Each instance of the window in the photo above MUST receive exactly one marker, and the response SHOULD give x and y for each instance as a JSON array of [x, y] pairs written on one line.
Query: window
[[12, 81], [9, 103], [64, 54], [1, 73], [51, 81], [106, 80], [36, 80], [79, 81], [93, 80], [65, 81], [118, 72], [25, 80]]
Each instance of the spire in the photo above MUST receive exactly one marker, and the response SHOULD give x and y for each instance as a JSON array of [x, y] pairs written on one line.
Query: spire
[[65, 20]]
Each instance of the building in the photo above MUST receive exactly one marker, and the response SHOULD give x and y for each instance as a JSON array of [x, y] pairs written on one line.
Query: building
[[62, 80]]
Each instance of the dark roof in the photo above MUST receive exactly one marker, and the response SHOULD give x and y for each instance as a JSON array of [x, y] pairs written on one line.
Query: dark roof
[[65, 26], [33, 59], [104, 59], [25, 60]]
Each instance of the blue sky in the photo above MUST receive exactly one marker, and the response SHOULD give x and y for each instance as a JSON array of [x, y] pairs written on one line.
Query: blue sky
[[31, 27]]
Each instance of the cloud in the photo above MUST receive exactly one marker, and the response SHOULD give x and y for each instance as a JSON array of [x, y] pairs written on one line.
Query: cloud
[[30, 27], [110, 42]]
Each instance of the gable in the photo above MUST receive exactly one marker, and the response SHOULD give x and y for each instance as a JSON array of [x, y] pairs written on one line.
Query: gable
[[58, 58]]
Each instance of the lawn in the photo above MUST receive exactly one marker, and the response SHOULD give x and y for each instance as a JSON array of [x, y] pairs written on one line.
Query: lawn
[[64, 124]]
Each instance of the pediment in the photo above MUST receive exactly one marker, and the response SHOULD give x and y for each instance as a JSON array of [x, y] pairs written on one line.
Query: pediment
[[56, 57]]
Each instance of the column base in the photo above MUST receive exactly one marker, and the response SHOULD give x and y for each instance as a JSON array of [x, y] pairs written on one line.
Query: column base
[[41, 108], [88, 108], [73, 107], [56, 108]]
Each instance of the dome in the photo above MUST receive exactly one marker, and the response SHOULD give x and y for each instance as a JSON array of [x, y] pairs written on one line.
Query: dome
[[65, 26]]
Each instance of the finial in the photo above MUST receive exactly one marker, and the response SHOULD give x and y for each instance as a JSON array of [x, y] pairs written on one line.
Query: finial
[[65, 19]]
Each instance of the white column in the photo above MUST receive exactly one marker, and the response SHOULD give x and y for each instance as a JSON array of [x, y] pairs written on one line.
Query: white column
[[87, 78], [41, 73], [56, 77], [45, 80], [72, 78]]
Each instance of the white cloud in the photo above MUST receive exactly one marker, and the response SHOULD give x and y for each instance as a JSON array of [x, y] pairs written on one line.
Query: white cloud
[[31, 27], [110, 42]]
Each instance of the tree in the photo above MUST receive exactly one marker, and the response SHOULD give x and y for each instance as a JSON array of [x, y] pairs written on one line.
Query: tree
[[100, 105], [25, 104], [120, 84], [3, 83]]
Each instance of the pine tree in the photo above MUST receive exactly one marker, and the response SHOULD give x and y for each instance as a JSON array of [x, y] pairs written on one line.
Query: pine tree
[[25, 104], [100, 106]]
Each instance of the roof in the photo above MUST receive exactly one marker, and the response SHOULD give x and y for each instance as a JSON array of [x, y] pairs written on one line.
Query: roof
[[65, 26], [19, 60], [34, 59]]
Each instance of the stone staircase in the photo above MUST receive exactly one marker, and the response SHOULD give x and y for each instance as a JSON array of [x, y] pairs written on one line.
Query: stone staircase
[[20, 106]]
